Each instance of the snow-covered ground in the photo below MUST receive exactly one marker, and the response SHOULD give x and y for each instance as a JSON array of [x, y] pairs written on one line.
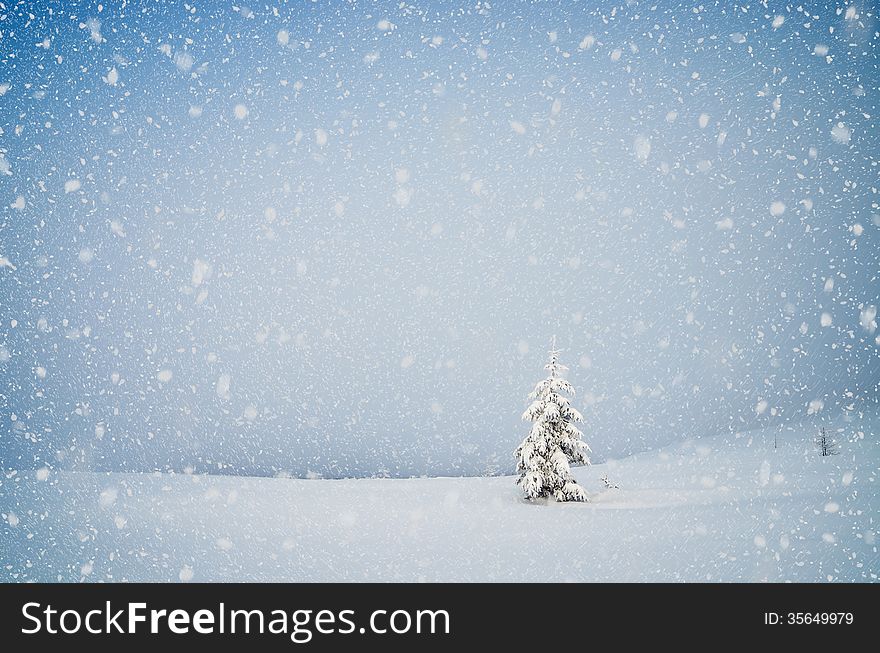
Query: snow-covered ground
[[729, 508]]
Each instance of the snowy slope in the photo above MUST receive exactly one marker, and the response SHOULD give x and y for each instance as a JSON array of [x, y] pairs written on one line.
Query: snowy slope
[[730, 508]]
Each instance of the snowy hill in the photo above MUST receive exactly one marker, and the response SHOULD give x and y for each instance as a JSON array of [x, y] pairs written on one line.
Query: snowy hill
[[731, 508]]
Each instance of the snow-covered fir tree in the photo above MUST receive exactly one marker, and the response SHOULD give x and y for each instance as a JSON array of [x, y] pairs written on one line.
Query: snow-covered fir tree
[[826, 444], [554, 442]]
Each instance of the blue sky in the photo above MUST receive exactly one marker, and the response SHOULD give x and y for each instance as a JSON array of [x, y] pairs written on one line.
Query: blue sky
[[337, 237]]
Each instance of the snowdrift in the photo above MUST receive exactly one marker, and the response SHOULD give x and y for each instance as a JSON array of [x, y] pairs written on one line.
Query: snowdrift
[[729, 508]]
